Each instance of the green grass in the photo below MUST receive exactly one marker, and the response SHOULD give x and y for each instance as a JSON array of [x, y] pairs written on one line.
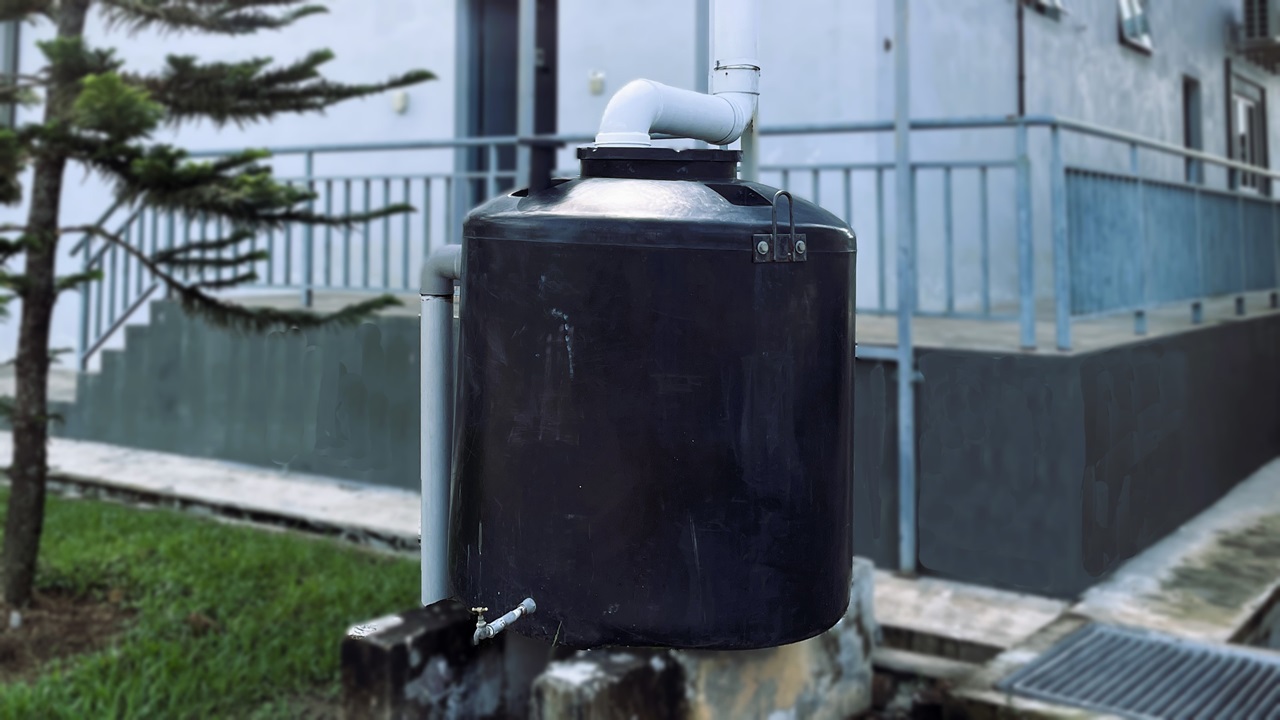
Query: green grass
[[282, 602]]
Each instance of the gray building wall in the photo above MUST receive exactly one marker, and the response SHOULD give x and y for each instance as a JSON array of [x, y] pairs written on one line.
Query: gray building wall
[[964, 63]]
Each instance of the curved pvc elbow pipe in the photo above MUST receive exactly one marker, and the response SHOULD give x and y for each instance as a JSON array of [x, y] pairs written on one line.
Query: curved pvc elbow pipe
[[440, 269], [643, 107]]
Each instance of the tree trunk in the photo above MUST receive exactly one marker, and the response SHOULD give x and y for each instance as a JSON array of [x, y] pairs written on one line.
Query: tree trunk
[[30, 468]]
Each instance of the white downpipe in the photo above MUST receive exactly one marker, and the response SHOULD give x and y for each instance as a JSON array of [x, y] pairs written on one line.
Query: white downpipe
[[644, 107], [436, 397]]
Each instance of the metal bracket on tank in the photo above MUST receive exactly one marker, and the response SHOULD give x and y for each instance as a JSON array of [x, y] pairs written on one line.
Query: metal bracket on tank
[[781, 248]]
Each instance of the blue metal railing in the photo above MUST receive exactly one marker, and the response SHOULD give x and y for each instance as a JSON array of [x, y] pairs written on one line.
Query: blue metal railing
[[1114, 242], [1136, 243], [1119, 240]]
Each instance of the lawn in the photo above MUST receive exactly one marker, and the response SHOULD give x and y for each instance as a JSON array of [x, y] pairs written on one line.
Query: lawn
[[223, 620]]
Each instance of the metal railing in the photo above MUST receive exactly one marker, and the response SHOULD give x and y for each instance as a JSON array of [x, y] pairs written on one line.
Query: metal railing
[[1120, 240], [379, 256], [873, 225]]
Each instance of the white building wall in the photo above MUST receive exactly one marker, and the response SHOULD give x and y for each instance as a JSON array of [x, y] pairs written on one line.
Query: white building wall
[[372, 41], [824, 61]]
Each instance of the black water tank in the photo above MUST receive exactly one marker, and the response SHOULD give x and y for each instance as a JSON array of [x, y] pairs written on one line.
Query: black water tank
[[654, 438]]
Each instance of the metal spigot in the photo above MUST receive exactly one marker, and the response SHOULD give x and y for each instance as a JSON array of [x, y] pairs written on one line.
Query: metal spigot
[[486, 630]]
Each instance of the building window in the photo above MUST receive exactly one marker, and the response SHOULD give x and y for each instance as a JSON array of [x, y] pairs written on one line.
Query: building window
[[1135, 30], [1192, 127], [1248, 123], [8, 67], [1050, 8], [1247, 131]]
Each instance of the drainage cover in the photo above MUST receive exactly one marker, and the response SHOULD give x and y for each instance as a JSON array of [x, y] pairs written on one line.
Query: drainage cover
[[1142, 674]]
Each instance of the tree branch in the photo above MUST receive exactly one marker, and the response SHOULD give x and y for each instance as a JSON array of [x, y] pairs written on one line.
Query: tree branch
[[17, 10], [235, 189], [224, 314], [248, 91], [224, 17], [74, 281]]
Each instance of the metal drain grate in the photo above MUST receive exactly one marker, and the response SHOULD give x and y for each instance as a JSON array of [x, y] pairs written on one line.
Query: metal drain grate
[[1141, 674]]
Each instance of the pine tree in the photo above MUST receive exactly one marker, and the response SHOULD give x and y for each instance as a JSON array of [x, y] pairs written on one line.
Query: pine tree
[[100, 116]]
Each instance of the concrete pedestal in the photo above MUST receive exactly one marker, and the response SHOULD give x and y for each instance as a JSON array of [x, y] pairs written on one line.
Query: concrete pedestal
[[828, 676]]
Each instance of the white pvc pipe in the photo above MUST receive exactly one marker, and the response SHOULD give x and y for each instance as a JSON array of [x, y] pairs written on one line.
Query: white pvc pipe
[[644, 107], [436, 397], [736, 30], [436, 393]]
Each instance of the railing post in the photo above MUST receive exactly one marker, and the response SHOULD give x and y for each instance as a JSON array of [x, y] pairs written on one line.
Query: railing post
[[881, 260], [907, 540], [172, 235], [1061, 248], [1026, 255], [308, 246], [985, 232], [1140, 318], [949, 239], [491, 186], [82, 352], [1240, 252], [1196, 309]]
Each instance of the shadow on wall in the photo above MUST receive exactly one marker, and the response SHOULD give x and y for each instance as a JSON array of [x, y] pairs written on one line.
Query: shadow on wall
[[336, 402]]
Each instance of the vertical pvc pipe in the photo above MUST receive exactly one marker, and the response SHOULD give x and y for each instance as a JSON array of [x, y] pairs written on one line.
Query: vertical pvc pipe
[[702, 47], [526, 94], [436, 390], [735, 29], [906, 296], [426, 216]]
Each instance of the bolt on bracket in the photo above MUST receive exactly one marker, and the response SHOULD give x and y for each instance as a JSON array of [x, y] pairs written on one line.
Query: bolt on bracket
[[789, 247]]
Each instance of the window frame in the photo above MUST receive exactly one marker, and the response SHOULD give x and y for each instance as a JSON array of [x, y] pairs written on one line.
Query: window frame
[[1049, 8], [1193, 126], [1241, 89], [1135, 14]]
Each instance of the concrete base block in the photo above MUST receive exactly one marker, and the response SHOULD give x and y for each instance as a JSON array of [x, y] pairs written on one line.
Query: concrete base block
[[828, 676], [608, 685], [421, 664]]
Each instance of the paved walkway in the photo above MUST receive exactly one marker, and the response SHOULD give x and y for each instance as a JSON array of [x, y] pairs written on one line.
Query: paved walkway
[[376, 515], [1213, 579]]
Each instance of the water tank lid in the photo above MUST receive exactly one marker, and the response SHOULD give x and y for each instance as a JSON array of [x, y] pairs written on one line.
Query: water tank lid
[[659, 163]]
